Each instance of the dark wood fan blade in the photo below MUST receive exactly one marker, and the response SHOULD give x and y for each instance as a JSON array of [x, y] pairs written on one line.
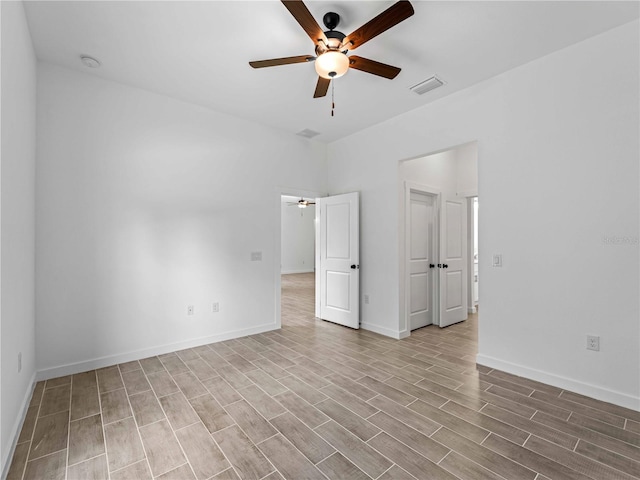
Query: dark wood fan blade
[[371, 66], [392, 16], [321, 87], [281, 61], [303, 16]]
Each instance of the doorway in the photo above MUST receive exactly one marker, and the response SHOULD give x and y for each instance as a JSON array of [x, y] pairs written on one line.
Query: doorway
[[438, 272], [296, 274], [327, 243]]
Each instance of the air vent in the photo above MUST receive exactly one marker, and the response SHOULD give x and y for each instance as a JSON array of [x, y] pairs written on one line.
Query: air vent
[[426, 86], [306, 133]]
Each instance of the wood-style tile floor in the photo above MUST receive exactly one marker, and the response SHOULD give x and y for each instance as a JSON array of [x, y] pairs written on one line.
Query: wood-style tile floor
[[315, 400]]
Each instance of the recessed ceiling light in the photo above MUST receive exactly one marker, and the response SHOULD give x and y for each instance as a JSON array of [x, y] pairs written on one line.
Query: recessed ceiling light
[[89, 61]]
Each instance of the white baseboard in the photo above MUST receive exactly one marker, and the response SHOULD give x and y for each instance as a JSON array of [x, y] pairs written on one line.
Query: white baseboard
[[472, 310], [303, 270], [404, 334], [17, 427], [107, 361], [593, 391], [387, 332]]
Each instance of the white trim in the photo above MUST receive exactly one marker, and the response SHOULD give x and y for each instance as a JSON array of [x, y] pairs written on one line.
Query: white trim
[[577, 386], [470, 255], [110, 360], [467, 193], [318, 277], [17, 427], [387, 332], [300, 270]]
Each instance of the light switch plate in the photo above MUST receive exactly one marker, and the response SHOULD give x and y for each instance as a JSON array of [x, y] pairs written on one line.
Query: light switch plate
[[497, 260]]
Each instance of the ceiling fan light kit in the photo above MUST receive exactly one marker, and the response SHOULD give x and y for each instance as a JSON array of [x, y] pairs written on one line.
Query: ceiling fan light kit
[[332, 64], [302, 203], [332, 46]]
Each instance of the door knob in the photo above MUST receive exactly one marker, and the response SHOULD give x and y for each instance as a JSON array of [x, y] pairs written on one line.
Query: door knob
[[431, 265], [444, 265], [355, 266]]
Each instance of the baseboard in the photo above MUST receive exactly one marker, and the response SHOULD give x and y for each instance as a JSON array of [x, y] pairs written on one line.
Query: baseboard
[[303, 270], [593, 391], [387, 332], [17, 427], [472, 310], [404, 334], [107, 361]]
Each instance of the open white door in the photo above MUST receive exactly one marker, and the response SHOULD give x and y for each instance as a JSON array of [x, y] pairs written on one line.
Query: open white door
[[338, 276], [420, 251], [453, 260]]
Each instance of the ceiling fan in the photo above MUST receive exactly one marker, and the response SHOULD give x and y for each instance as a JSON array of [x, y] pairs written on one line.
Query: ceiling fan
[[331, 46], [302, 203]]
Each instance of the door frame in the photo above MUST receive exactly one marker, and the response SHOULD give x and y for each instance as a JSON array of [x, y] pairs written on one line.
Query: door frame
[[470, 248], [277, 254], [410, 187]]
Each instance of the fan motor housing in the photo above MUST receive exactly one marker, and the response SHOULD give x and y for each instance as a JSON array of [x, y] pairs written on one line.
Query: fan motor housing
[[335, 34], [334, 38]]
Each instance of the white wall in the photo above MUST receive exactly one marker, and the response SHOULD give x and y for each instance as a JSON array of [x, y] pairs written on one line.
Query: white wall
[[438, 171], [467, 170], [17, 172], [558, 171], [146, 205], [298, 238], [454, 171]]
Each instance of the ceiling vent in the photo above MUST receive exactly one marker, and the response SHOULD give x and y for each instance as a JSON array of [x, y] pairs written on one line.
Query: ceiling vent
[[426, 86], [306, 133]]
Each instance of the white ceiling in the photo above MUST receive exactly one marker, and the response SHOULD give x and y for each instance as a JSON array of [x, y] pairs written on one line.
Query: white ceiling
[[199, 51]]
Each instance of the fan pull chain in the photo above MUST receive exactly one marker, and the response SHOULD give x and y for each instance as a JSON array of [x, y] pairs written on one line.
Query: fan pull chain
[[333, 105]]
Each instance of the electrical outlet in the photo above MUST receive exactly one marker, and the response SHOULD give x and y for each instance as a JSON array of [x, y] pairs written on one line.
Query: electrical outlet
[[19, 362], [215, 307], [366, 298], [190, 310], [593, 343]]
